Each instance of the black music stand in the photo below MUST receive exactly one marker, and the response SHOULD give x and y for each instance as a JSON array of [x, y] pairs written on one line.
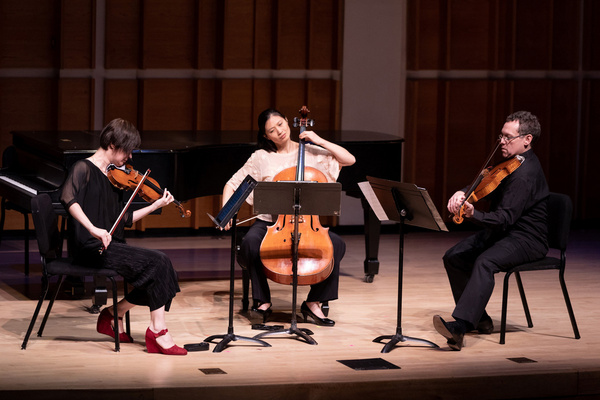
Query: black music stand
[[292, 197], [407, 204], [229, 213]]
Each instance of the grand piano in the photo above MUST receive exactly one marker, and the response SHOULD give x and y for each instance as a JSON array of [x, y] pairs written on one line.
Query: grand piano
[[190, 164]]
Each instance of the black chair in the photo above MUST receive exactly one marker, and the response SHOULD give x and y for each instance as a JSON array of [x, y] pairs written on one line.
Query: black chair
[[50, 242], [560, 210]]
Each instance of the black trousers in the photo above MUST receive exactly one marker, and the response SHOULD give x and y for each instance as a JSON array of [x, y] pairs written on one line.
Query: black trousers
[[472, 263], [249, 256]]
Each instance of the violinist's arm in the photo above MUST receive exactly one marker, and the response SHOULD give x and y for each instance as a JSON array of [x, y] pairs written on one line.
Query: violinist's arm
[[167, 198], [343, 156], [76, 212]]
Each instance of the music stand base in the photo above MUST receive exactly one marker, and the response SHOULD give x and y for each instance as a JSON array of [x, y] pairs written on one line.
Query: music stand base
[[230, 337], [397, 338], [301, 333]]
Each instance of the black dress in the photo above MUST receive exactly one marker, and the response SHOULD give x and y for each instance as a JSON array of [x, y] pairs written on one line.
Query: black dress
[[150, 272]]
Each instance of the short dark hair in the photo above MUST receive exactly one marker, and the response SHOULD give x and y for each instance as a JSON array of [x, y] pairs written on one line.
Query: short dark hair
[[261, 141], [122, 134], [528, 124]]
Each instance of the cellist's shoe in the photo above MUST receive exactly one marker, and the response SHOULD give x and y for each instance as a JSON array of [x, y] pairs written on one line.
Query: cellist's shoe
[[306, 311], [265, 314]]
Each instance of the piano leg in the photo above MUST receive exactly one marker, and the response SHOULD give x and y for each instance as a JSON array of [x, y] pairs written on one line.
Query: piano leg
[[372, 233]]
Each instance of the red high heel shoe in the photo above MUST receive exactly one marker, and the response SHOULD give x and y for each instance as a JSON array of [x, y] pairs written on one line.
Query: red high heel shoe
[[104, 326], [153, 346]]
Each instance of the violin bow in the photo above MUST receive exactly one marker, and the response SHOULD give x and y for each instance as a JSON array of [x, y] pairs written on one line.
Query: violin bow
[[480, 175], [137, 188]]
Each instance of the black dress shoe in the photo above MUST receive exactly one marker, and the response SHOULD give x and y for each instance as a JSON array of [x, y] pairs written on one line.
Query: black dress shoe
[[456, 338], [265, 314], [485, 326], [319, 321]]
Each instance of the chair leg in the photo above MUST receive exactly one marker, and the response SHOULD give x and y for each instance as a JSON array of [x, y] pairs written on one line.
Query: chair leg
[[115, 314], [563, 285], [43, 295], [127, 318], [47, 314], [504, 306], [524, 299], [325, 308]]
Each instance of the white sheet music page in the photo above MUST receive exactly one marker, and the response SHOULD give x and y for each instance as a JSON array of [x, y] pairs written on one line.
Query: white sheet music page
[[371, 197]]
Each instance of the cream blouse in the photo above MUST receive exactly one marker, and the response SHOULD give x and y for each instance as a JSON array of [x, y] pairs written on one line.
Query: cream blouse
[[263, 166]]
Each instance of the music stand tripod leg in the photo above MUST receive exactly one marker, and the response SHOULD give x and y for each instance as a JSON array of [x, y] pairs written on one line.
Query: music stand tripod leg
[[230, 335], [398, 337]]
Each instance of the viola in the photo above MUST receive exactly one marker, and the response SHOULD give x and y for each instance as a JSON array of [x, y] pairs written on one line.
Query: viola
[[315, 250], [126, 178], [487, 181]]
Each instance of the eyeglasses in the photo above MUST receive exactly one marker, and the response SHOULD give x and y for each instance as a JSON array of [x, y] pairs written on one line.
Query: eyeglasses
[[508, 139]]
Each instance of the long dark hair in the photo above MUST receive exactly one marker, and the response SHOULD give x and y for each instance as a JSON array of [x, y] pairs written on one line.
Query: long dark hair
[[261, 141]]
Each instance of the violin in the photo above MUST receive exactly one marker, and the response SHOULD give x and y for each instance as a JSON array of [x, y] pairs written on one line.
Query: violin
[[315, 250], [487, 181], [126, 178]]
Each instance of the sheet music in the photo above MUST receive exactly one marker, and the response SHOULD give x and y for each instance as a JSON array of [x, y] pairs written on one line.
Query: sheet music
[[369, 194]]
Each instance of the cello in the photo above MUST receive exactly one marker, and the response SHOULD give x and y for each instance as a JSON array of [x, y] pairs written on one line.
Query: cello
[[315, 250]]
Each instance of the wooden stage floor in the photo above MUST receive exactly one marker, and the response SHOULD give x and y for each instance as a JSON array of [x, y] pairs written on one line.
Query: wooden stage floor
[[72, 361]]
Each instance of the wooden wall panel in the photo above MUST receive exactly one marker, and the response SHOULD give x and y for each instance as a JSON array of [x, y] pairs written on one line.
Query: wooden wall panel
[[123, 33], [236, 104], [121, 100], [208, 113], [561, 134], [321, 101], [591, 56], [75, 104], [238, 34], [167, 104], [565, 34], [264, 97], [471, 30], [169, 34], [424, 158], [208, 38], [29, 33], [533, 36], [426, 29], [264, 34], [77, 44], [290, 96], [322, 35], [292, 34], [589, 198]]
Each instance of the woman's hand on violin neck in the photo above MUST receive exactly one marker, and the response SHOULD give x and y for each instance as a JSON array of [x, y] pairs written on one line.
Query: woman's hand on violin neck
[[166, 199], [455, 202]]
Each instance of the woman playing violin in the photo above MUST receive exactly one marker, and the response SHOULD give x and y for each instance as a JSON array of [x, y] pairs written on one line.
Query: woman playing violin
[[94, 205], [276, 152], [515, 232]]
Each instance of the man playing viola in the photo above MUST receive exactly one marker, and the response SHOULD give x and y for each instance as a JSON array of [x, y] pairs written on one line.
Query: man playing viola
[[515, 232]]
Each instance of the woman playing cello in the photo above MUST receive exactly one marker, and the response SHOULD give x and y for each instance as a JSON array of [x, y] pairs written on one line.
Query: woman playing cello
[[276, 152]]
